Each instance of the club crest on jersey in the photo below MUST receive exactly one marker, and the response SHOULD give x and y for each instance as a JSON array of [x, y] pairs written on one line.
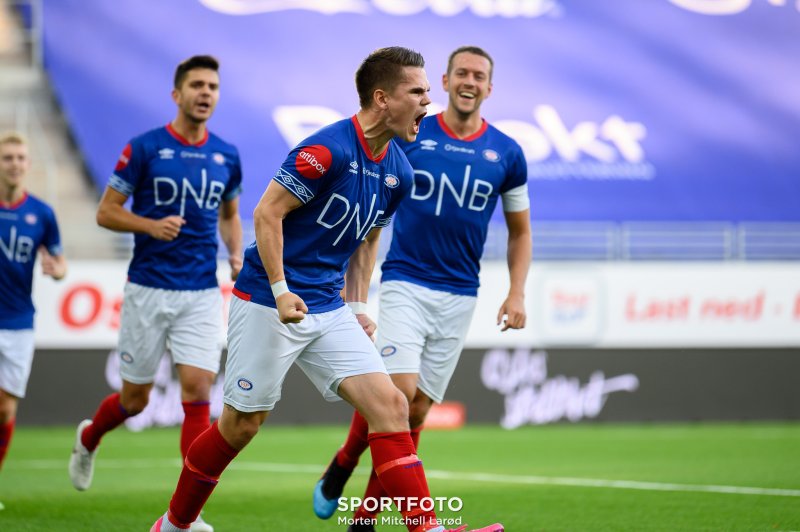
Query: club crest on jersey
[[388, 351], [491, 156], [428, 144], [391, 181], [166, 153], [31, 218], [126, 357], [313, 161], [244, 384], [124, 158], [218, 158]]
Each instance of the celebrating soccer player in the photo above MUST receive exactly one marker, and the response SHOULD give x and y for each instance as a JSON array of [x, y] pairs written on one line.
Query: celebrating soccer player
[[27, 224], [318, 223], [462, 165], [185, 182]]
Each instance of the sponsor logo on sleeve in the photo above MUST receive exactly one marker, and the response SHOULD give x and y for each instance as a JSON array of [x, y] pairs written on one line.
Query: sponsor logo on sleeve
[[313, 161], [124, 158]]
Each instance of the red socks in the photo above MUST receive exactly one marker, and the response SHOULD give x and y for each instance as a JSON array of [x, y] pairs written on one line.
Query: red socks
[[400, 472], [109, 416], [375, 489], [207, 458], [355, 444], [6, 432], [196, 419]]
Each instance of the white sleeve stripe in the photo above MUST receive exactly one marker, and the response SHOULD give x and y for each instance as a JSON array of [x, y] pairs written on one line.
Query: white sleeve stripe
[[516, 199], [120, 185], [293, 185]]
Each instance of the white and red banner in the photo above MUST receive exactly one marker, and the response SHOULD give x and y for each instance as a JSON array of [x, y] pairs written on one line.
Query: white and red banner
[[715, 304]]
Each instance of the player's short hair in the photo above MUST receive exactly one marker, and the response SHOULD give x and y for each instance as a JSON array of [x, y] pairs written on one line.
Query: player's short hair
[[477, 50], [196, 61], [12, 137], [383, 69]]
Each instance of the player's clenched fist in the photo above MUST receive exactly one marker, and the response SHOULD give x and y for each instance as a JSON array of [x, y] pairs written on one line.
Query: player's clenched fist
[[291, 308], [167, 228]]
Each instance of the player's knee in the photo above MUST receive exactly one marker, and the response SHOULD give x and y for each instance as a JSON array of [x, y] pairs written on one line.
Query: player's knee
[[135, 403], [396, 407], [417, 412]]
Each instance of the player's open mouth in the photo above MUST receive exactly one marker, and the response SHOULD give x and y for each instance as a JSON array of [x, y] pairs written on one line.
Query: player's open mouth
[[203, 106], [467, 95], [418, 121]]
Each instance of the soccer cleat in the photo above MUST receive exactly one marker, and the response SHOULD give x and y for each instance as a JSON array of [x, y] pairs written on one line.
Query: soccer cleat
[[163, 525], [201, 526], [329, 489], [81, 463]]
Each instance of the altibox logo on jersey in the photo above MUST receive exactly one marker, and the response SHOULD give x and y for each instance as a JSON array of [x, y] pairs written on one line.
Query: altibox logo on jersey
[[124, 158], [313, 161]]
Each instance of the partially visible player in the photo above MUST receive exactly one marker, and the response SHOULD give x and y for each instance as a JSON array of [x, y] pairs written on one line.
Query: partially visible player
[[185, 183], [462, 167], [317, 224], [27, 225]]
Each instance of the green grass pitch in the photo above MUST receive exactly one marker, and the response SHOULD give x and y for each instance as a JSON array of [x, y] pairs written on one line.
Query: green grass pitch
[[590, 477]]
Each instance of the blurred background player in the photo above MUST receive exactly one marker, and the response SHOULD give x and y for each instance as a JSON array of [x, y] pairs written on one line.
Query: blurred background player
[[317, 224], [430, 277], [183, 180], [27, 224]]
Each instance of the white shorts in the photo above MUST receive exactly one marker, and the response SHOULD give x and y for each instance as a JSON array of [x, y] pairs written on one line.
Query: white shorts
[[328, 347], [423, 331], [187, 323], [16, 357]]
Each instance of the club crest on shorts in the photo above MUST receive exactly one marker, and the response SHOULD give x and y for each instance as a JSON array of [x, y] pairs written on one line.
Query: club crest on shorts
[[388, 351], [126, 357], [244, 384]]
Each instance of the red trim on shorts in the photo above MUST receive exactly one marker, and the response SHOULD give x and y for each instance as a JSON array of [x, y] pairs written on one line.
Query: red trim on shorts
[[449, 132], [363, 140], [241, 295]]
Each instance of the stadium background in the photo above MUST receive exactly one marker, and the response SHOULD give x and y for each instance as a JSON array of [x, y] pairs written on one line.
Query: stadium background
[[661, 142]]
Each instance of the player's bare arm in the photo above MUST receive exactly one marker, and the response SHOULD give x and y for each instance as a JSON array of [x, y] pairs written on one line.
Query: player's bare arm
[[268, 217], [230, 229], [357, 278], [112, 214], [53, 265], [519, 259]]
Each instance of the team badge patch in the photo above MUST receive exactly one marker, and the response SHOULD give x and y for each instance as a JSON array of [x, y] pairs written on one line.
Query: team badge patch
[[30, 218], [388, 351], [126, 357], [491, 156], [244, 384], [391, 181], [218, 158], [313, 161]]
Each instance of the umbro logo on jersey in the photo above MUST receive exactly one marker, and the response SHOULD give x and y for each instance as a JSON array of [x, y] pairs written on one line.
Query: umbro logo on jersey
[[391, 181], [428, 144], [166, 153], [491, 156], [353, 167]]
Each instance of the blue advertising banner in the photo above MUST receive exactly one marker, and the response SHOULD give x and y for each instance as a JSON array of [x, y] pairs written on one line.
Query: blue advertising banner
[[627, 110]]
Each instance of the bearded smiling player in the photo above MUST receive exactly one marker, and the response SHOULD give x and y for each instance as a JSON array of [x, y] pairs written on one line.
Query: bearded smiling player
[[462, 166]]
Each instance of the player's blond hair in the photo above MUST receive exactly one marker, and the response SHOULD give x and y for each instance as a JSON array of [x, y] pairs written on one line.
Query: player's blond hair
[[12, 137]]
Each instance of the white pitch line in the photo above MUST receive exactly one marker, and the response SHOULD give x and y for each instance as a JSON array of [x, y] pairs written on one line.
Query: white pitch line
[[434, 473]]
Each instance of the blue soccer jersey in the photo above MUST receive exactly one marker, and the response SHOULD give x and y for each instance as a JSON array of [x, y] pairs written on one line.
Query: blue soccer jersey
[[440, 231], [346, 191], [166, 175], [24, 226]]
